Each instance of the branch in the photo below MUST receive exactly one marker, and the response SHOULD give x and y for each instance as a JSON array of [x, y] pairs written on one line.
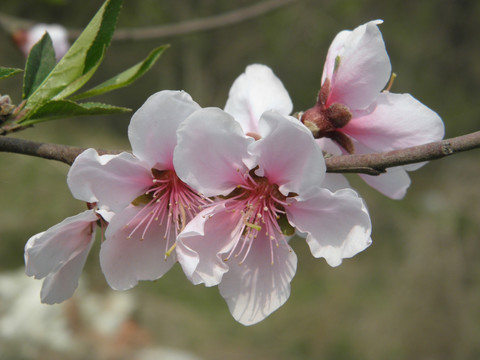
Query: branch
[[62, 153], [12, 23], [377, 163], [371, 164]]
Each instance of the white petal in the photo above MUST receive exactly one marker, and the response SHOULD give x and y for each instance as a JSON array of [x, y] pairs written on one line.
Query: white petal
[[334, 182], [124, 260], [211, 152], [113, 181], [47, 252], [61, 285], [396, 121], [338, 224], [394, 183], [258, 287], [287, 154], [333, 51], [203, 244], [152, 130], [254, 92], [364, 67]]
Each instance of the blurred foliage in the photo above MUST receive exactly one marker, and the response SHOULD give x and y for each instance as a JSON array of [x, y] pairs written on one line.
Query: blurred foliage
[[413, 295]]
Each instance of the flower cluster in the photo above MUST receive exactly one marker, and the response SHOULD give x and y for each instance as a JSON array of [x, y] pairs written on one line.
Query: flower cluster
[[223, 192]]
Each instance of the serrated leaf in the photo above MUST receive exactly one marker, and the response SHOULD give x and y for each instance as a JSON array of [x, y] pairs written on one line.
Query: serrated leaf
[[40, 63], [126, 77], [56, 109], [83, 56], [7, 72], [78, 83]]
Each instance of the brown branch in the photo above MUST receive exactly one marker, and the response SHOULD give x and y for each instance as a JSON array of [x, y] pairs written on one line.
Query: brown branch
[[62, 153], [12, 23], [371, 164], [377, 163]]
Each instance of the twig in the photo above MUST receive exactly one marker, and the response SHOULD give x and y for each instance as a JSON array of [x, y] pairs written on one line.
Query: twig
[[12, 23], [371, 164], [377, 163], [62, 153]]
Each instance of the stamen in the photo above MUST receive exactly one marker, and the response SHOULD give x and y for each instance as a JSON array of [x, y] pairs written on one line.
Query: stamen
[[390, 83]]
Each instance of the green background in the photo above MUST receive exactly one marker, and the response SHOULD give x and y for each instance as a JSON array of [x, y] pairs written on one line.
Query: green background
[[414, 294]]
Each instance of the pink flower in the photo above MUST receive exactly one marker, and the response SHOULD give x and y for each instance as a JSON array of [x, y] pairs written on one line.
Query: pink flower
[[26, 39], [254, 92], [258, 90], [353, 112], [59, 254], [151, 204], [267, 188]]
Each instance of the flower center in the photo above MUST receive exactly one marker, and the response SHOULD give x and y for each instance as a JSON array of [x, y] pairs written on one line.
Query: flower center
[[169, 202], [262, 207]]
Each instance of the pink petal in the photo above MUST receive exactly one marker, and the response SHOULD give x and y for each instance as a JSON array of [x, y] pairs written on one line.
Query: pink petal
[[203, 244], [396, 121], [256, 288], [211, 152], [126, 261], [254, 92], [337, 224], [287, 154], [114, 181], [364, 67], [152, 130], [394, 183], [46, 253]]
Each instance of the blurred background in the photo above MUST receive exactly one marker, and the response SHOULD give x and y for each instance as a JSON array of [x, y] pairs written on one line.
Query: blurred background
[[414, 294]]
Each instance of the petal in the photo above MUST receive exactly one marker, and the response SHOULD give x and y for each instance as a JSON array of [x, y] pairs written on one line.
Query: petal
[[364, 67], [211, 152], [60, 286], [254, 92], [287, 154], [114, 181], [152, 130], [337, 224], [203, 244], [334, 182], [124, 260], [335, 48], [394, 183], [257, 287], [397, 121], [47, 252]]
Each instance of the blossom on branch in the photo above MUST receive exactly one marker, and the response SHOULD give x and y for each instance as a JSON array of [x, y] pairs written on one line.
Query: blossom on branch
[[354, 115], [266, 189], [258, 90], [151, 204], [59, 254]]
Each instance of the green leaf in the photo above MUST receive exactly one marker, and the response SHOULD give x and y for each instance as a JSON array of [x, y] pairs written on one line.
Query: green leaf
[[7, 72], [56, 109], [126, 77], [40, 63], [83, 57]]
